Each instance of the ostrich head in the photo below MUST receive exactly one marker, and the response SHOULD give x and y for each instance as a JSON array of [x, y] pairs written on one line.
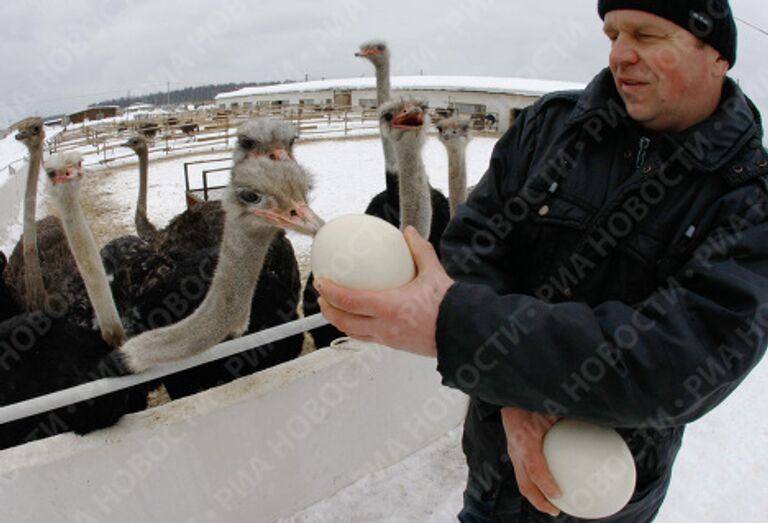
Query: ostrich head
[[376, 51], [31, 132], [265, 137], [263, 192], [454, 131], [404, 121], [138, 143], [64, 170]]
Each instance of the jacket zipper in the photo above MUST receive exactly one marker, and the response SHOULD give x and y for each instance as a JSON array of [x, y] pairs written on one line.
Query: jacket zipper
[[645, 143]]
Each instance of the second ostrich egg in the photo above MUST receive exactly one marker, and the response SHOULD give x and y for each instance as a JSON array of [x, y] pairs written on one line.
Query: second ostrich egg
[[593, 467], [362, 252]]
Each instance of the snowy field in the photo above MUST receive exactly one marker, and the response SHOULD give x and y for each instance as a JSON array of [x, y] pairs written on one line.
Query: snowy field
[[720, 475]]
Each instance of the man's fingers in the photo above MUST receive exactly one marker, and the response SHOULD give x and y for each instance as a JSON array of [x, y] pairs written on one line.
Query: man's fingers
[[539, 473], [351, 324], [362, 303], [532, 493]]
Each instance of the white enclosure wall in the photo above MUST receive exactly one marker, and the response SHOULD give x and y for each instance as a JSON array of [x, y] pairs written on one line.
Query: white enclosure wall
[[253, 451]]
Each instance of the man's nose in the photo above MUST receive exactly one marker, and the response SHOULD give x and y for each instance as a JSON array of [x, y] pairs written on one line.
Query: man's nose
[[623, 51]]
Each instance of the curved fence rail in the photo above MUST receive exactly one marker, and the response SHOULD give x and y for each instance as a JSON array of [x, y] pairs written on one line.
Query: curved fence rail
[[104, 386]]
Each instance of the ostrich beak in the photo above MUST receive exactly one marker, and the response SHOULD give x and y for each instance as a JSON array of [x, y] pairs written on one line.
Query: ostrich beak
[[70, 174], [365, 53], [409, 118], [300, 218], [280, 154]]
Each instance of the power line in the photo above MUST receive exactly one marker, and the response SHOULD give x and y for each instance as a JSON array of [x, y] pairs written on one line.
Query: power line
[[753, 26]]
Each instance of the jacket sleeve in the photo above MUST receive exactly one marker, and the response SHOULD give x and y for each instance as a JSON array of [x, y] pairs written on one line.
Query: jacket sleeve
[[664, 362]]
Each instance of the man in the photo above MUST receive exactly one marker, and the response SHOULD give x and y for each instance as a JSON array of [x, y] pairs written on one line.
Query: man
[[612, 264]]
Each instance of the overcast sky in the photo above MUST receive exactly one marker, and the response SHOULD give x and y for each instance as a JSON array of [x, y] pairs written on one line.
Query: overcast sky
[[60, 57]]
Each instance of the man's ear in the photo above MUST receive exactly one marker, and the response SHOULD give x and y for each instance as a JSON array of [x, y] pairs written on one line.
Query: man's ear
[[721, 66]]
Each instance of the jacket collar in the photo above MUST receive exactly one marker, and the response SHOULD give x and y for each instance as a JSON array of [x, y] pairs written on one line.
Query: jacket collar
[[707, 146]]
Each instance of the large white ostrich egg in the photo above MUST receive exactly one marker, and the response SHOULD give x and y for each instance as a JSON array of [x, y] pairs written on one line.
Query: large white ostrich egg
[[593, 467], [362, 252]]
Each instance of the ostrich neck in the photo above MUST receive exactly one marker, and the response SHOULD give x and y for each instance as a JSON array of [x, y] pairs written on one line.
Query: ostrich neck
[[383, 87], [415, 194], [457, 177], [33, 277], [83, 247], [144, 227], [226, 309], [383, 94]]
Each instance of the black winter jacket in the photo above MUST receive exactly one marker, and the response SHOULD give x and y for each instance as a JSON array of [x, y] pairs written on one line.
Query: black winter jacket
[[607, 273]]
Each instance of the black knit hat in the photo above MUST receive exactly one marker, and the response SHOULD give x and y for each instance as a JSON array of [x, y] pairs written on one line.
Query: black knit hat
[[709, 20]]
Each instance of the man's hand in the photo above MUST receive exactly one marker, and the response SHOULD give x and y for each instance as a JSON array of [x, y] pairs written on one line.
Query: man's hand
[[525, 436], [404, 318]]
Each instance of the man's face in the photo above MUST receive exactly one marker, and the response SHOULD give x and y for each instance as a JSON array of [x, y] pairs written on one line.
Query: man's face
[[668, 79]]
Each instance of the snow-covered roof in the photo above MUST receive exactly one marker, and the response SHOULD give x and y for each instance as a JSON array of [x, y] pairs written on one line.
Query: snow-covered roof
[[490, 84]]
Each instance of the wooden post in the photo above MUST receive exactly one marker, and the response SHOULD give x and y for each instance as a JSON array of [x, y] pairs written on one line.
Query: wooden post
[[345, 122]]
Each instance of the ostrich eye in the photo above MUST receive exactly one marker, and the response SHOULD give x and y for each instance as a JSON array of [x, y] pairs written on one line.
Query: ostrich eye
[[380, 47], [51, 173], [249, 197], [35, 129], [388, 116], [247, 143]]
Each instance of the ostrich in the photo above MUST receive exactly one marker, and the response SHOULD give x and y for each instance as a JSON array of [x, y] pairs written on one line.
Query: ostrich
[[405, 123], [263, 196], [64, 172], [62, 353], [24, 273], [41, 270], [146, 230], [377, 53], [454, 134]]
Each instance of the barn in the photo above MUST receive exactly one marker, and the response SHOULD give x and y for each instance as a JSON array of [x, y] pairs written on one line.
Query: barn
[[475, 96]]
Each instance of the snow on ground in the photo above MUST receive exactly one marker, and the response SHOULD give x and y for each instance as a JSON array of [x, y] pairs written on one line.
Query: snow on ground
[[720, 475], [348, 173]]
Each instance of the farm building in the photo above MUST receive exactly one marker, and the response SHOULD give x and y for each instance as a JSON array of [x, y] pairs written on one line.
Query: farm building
[[94, 113], [476, 96]]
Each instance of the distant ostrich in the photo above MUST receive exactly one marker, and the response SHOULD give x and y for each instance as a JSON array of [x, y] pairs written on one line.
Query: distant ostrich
[[378, 54], [146, 230], [454, 134], [24, 274], [190, 129], [149, 129], [263, 196]]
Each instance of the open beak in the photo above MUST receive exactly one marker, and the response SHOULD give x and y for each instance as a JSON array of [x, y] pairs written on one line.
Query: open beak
[[409, 118], [301, 218]]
